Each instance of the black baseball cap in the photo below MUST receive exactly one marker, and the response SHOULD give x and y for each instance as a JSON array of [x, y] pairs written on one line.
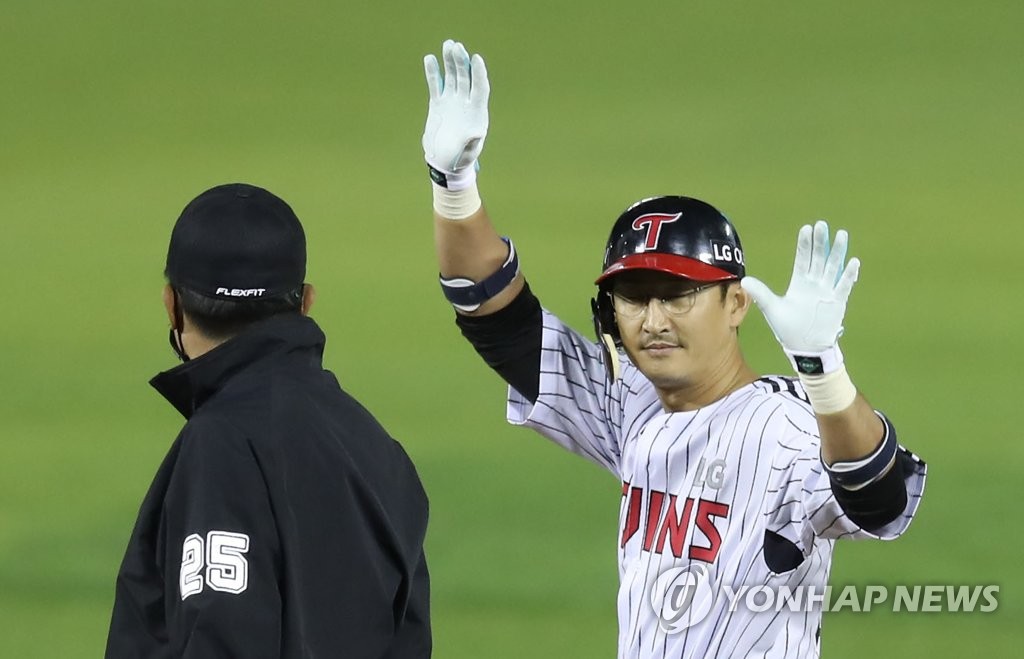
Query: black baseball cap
[[237, 241]]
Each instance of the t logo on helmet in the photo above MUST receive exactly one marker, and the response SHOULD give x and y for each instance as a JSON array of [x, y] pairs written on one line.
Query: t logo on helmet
[[653, 222]]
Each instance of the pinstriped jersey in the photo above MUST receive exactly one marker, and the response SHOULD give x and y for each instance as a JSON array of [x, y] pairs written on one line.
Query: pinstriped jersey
[[716, 500]]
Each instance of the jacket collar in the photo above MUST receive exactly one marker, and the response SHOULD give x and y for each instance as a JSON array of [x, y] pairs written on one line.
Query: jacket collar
[[189, 385]]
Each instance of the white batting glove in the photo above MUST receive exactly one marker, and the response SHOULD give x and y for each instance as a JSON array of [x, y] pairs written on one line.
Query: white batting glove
[[808, 320], [457, 117]]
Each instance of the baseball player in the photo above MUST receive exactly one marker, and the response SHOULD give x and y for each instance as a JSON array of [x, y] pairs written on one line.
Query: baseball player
[[730, 480], [284, 522]]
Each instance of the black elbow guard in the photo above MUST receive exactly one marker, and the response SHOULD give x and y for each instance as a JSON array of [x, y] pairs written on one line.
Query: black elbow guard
[[875, 505]]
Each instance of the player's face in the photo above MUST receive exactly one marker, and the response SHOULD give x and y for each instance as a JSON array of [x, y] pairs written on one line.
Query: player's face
[[680, 333]]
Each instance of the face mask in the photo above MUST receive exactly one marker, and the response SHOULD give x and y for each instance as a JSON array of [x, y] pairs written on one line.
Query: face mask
[[177, 344]]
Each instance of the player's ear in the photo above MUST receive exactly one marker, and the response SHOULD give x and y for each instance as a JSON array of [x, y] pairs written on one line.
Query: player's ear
[[168, 296], [308, 297], [737, 303]]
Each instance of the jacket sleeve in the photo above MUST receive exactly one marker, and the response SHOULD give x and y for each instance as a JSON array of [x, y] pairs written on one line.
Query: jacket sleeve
[[413, 636], [221, 549]]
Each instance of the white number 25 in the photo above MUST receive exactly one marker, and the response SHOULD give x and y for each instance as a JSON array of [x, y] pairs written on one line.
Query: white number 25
[[223, 553]]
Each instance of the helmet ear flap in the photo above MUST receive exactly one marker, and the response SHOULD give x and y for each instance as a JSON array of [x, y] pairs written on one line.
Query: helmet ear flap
[[607, 330], [604, 316]]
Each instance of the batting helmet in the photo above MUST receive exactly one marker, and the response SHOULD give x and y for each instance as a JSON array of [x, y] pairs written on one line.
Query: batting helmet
[[677, 235]]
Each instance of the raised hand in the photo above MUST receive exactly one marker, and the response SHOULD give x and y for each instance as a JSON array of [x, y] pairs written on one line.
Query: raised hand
[[808, 319], [457, 117]]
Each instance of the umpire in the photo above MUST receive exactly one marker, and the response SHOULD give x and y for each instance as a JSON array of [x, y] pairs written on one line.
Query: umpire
[[284, 521]]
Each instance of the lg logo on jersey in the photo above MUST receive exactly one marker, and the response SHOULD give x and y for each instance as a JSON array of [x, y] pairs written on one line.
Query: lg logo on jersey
[[223, 554], [712, 474]]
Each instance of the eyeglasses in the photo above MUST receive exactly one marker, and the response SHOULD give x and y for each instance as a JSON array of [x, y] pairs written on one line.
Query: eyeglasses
[[675, 305]]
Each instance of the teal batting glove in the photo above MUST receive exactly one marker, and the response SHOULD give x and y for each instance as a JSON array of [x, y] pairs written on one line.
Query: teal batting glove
[[457, 117], [808, 320]]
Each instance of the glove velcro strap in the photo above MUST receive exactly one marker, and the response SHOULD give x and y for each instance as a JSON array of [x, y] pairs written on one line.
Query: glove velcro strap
[[811, 362], [467, 295], [855, 474], [453, 181]]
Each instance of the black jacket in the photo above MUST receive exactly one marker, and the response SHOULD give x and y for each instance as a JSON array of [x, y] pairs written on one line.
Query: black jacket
[[284, 521]]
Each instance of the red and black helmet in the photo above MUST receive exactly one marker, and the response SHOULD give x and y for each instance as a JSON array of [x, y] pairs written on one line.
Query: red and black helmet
[[676, 235], [680, 236]]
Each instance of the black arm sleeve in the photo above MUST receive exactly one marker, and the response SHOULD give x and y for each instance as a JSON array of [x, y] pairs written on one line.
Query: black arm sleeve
[[875, 505], [509, 340]]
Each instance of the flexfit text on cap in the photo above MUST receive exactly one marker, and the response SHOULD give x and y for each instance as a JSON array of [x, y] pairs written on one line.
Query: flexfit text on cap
[[237, 241]]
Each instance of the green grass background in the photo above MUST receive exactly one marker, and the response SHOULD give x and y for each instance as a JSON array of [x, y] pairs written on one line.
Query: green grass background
[[899, 121]]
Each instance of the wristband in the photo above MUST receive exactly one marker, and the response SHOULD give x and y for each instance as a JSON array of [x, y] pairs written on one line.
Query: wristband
[[829, 393], [467, 295], [856, 474], [456, 205]]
